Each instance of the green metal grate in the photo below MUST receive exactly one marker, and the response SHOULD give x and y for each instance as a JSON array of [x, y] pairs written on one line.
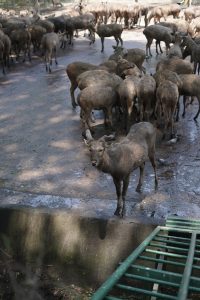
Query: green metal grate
[[166, 265], [177, 222]]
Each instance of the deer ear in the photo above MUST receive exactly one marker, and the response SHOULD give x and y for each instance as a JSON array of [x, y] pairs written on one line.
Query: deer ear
[[87, 143]]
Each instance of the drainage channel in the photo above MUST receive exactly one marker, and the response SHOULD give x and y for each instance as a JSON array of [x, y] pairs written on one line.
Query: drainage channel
[[166, 265]]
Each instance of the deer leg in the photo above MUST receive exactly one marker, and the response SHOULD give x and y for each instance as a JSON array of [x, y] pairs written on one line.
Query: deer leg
[[141, 179], [198, 109], [171, 126], [29, 54], [50, 57], [7, 61], [74, 85], [172, 122], [126, 121], [128, 115], [81, 114], [156, 113], [145, 21], [157, 47], [92, 36], [177, 110], [92, 117], [184, 105], [119, 209], [141, 110], [195, 67], [167, 45], [71, 35], [55, 56], [121, 41], [3, 66], [192, 99], [117, 40], [153, 163], [124, 190], [109, 115], [105, 117], [47, 64], [24, 53], [102, 44], [148, 47], [160, 47], [76, 34], [86, 119], [166, 121], [28, 51]]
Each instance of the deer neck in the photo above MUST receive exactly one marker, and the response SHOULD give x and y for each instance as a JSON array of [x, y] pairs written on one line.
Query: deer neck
[[105, 162]]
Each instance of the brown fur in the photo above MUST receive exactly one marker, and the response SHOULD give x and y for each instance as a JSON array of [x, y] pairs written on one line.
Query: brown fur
[[167, 99], [121, 159]]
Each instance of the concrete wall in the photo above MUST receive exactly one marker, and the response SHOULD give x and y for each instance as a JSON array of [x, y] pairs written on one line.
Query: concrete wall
[[91, 245]]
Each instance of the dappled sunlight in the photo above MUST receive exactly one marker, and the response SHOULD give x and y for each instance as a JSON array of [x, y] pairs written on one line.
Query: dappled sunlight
[[22, 97], [150, 200], [5, 117], [52, 159], [34, 236], [74, 117], [9, 81], [7, 129], [11, 147], [55, 170], [32, 225], [56, 107], [61, 89], [31, 79], [83, 182], [46, 185], [67, 239], [62, 144], [57, 119], [30, 174]]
